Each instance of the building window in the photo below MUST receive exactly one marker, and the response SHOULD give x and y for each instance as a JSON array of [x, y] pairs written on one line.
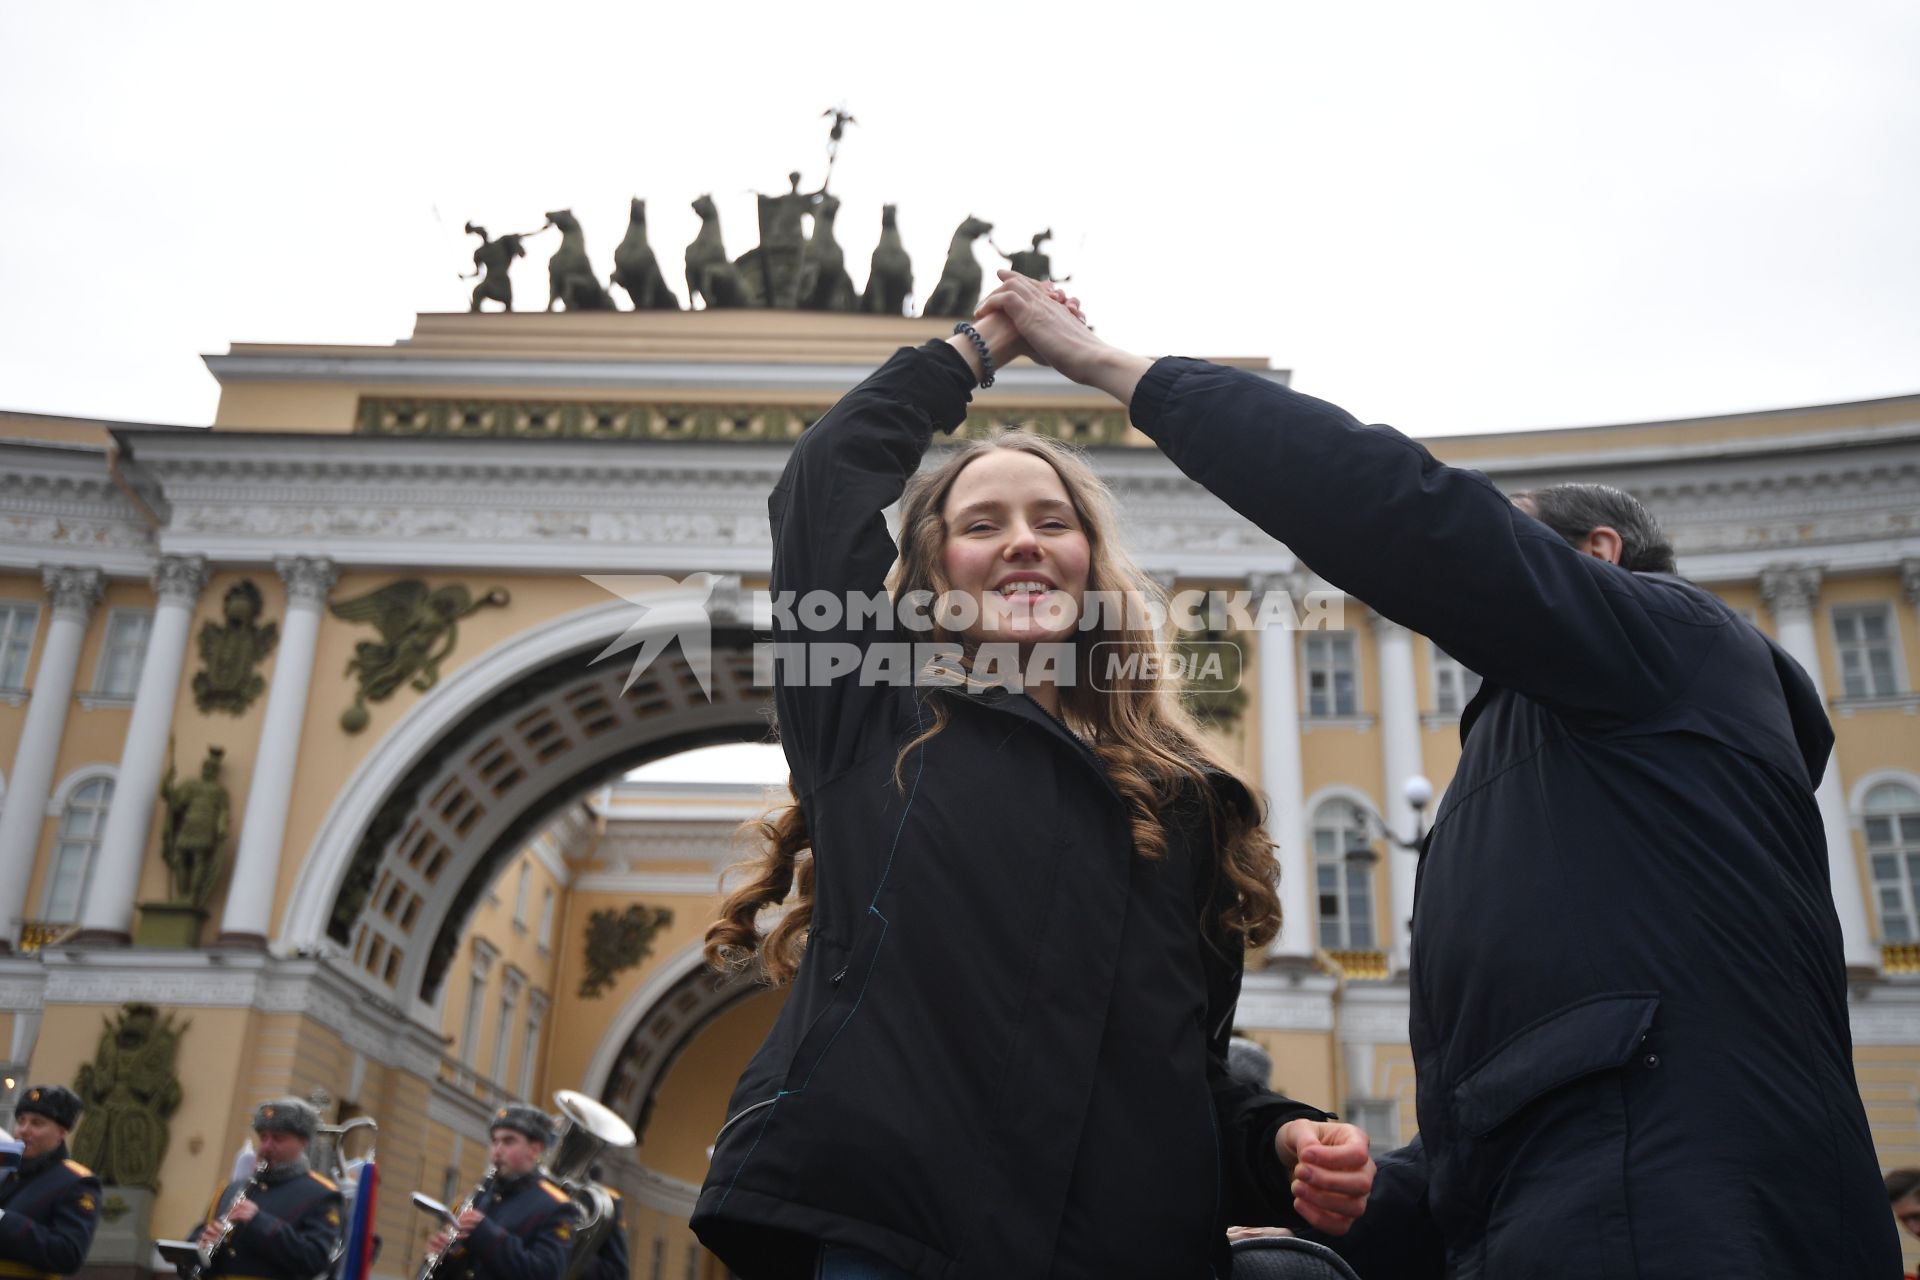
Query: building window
[[1891, 819], [1378, 1117], [483, 956], [121, 656], [510, 987], [1453, 684], [530, 1051], [1331, 675], [1344, 885], [546, 920], [74, 850], [1864, 636], [18, 621], [520, 898]]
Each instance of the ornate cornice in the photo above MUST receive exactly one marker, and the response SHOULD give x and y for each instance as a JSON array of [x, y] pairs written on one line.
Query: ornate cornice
[[309, 578], [73, 590], [61, 505], [1790, 590]]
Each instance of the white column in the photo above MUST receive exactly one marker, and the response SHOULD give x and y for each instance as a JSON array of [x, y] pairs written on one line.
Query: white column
[[1790, 592], [108, 913], [263, 827], [74, 593], [1400, 743], [1280, 771], [1910, 583]]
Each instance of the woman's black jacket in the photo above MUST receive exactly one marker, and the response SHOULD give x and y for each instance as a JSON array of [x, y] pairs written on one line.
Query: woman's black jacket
[[1003, 1055]]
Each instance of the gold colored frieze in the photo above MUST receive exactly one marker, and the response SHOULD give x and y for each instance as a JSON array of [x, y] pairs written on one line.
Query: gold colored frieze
[[610, 420]]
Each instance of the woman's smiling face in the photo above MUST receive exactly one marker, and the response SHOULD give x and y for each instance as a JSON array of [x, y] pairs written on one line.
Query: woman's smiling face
[[1015, 545]]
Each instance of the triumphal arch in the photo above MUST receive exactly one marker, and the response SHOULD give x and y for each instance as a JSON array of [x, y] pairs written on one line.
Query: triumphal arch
[[364, 649]]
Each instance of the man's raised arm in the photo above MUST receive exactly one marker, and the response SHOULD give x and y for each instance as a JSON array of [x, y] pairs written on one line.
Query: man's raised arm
[[1437, 548]]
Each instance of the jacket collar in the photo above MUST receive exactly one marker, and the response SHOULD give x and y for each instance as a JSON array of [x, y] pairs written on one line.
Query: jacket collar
[[1005, 701]]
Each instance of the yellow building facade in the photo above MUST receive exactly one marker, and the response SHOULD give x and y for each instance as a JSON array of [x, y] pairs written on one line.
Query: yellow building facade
[[440, 890]]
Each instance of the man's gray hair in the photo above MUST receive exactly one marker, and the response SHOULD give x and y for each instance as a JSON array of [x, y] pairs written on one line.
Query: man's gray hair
[[1575, 510], [1248, 1063]]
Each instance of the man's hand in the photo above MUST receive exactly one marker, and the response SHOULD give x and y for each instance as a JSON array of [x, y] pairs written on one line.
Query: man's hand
[[1331, 1171], [471, 1218], [1255, 1233], [243, 1211], [436, 1242], [1053, 330]]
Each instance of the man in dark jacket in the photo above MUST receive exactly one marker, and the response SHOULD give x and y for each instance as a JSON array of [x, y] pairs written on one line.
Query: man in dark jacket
[[50, 1206], [1629, 1010], [521, 1228], [289, 1224]]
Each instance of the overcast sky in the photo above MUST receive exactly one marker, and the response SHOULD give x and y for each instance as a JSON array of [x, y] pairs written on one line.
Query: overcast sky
[[1451, 217]]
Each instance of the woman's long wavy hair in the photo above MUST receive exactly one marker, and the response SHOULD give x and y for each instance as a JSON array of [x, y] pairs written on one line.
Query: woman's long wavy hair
[[1154, 750]]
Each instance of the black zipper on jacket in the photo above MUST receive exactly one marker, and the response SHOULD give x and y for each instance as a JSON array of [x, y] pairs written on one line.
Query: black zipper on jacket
[[1002, 701]]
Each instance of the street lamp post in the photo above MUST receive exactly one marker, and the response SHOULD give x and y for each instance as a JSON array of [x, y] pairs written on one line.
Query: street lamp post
[[1418, 793]]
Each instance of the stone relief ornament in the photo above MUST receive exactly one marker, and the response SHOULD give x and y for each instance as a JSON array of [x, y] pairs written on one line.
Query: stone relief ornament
[[231, 649], [617, 941], [130, 1090], [418, 629]]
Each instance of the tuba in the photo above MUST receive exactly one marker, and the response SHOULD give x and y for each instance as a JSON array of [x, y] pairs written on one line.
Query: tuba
[[589, 1130], [326, 1154]]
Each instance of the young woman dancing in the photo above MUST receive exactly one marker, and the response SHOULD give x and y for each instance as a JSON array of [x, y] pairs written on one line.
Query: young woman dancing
[[1014, 916]]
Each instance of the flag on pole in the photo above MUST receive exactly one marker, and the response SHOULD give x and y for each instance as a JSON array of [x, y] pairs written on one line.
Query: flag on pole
[[357, 1262]]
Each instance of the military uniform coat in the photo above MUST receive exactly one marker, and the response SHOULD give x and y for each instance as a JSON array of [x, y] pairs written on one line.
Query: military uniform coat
[[1629, 1002], [295, 1233], [1004, 1052], [48, 1211], [527, 1233]]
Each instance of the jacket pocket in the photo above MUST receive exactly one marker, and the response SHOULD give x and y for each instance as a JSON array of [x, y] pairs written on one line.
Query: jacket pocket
[[1597, 1034], [1536, 1180], [846, 988]]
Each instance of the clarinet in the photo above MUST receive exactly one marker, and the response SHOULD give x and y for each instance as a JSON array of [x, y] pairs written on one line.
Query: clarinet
[[431, 1267], [218, 1236]]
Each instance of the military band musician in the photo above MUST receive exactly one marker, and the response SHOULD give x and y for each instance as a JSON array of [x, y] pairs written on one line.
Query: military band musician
[[287, 1219], [51, 1204], [521, 1227]]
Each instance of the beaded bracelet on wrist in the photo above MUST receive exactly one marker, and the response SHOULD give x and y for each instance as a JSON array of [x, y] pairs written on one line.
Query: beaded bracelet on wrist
[[980, 345]]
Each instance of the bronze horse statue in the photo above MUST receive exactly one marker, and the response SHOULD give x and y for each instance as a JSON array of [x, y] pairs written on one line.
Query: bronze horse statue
[[570, 277], [890, 274], [636, 270], [958, 292]]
